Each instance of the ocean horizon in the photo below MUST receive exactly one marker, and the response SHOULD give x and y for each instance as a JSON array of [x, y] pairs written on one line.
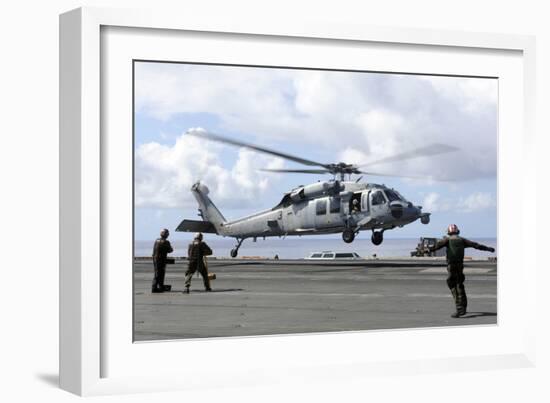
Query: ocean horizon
[[293, 248]]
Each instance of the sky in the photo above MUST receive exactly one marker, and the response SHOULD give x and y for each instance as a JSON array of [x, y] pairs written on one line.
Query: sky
[[325, 116]]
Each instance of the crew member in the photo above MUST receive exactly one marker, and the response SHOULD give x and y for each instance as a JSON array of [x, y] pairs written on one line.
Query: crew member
[[161, 249], [355, 206], [196, 252], [455, 245]]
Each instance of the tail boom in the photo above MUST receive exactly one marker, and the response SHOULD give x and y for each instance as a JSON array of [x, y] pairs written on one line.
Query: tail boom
[[208, 211]]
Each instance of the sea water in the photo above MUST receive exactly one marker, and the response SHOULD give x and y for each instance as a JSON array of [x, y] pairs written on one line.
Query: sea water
[[298, 248]]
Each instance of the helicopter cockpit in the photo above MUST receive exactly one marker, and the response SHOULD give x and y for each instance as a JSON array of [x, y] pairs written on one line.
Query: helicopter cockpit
[[393, 195], [378, 200]]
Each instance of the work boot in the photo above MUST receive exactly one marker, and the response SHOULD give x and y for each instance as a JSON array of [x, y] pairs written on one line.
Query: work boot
[[458, 303], [208, 289], [463, 300], [459, 298], [186, 290]]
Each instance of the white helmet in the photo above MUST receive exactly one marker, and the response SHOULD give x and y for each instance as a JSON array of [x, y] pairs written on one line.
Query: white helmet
[[453, 229]]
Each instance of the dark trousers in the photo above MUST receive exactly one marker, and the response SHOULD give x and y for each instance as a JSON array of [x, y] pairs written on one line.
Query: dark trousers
[[195, 266], [158, 280], [455, 282]]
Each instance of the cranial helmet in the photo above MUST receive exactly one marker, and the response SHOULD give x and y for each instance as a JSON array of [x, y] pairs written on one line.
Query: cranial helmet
[[198, 236], [453, 230], [164, 233]]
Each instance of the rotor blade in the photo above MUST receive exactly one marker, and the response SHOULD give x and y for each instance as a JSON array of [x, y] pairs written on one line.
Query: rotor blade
[[302, 171], [426, 177], [432, 149], [237, 143]]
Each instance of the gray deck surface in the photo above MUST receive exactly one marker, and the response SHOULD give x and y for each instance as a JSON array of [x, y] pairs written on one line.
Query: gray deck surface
[[288, 297]]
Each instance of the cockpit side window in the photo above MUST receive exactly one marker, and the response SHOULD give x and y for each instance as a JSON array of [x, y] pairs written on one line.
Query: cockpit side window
[[378, 198], [392, 196]]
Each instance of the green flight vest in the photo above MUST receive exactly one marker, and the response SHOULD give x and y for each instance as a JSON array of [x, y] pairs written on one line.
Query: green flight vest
[[455, 249]]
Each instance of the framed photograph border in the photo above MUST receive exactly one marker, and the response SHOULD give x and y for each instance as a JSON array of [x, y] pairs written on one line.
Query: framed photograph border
[[81, 307]]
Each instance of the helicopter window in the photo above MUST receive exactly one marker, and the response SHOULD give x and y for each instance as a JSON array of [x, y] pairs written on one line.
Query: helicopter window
[[335, 205], [392, 195], [321, 207], [378, 198]]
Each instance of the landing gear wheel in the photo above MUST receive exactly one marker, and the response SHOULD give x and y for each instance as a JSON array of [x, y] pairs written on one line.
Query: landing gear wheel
[[348, 235], [377, 237], [235, 251]]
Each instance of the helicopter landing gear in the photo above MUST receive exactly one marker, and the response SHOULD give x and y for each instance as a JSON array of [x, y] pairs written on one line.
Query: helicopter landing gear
[[348, 235], [235, 251], [377, 237]]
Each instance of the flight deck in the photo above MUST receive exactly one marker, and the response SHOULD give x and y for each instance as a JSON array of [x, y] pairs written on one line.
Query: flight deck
[[267, 297]]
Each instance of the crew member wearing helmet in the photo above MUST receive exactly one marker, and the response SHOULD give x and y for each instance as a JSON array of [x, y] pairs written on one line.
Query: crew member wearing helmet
[[455, 245], [196, 252], [161, 249], [355, 206]]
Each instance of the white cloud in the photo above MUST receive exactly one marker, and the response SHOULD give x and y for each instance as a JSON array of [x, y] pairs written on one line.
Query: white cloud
[[164, 174], [474, 94], [353, 156], [475, 202], [478, 201], [433, 202], [374, 115], [382, 130]]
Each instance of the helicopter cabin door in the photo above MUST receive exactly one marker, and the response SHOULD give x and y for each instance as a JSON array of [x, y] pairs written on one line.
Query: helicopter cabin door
[[355, 204]]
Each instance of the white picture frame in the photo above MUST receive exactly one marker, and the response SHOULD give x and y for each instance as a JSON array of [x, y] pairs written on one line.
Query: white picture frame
[[96, 355]]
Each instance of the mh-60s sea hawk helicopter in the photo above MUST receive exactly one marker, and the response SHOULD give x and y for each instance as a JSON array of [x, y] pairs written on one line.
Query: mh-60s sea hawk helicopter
[[324, 207]]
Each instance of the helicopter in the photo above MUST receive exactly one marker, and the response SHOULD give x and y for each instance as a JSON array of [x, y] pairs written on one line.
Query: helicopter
[[325, 207]]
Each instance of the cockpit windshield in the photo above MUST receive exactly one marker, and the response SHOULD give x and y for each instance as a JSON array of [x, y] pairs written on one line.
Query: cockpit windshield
[[392, 195]]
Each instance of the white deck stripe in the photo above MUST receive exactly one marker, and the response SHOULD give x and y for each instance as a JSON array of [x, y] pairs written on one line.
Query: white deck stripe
[[466, 271]]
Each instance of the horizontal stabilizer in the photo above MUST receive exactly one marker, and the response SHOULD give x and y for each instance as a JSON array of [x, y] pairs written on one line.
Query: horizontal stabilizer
[[196, 226]]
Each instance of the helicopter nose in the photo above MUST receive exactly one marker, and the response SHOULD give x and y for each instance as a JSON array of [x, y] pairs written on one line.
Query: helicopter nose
[[397, 211], [413, 212], [404, 211]]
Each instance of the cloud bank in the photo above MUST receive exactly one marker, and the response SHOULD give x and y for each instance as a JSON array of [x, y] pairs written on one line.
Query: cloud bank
[[477, 201], [359, 117], [164, 174]]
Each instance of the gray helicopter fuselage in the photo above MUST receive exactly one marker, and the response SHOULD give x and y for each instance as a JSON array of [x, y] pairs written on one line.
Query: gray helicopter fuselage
[[328, 207]]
